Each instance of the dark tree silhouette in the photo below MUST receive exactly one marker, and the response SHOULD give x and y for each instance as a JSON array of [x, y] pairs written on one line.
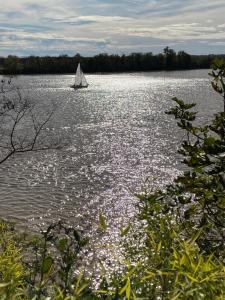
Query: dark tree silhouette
[[168, 60]]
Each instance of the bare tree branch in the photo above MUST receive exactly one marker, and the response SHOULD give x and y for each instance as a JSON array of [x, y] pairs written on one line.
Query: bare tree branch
[[23, 127]]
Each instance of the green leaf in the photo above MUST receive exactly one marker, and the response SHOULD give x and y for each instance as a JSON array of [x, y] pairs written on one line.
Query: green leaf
[[3, 285], [209, 141], [126, 289], [47, 264], [102, 222], [125, 230], [62, 244], [81, 288], [191, 277]]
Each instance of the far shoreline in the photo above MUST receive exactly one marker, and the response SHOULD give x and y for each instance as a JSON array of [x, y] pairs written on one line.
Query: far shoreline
[[101, 73], [103, 63]]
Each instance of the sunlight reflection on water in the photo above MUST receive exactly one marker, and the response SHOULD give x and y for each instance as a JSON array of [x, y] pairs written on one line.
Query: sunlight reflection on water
[[120, 142]]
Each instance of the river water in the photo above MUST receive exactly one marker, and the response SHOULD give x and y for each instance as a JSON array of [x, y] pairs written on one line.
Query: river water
[[119, 142]]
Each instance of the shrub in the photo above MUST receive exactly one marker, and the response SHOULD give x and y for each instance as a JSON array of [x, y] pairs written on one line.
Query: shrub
[[11, 268]]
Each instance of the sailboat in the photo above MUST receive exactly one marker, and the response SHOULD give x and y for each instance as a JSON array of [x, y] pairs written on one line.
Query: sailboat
[[80, 80]]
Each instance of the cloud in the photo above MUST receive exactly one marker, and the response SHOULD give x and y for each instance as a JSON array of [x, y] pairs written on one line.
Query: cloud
[[113, 26], [183, 31]]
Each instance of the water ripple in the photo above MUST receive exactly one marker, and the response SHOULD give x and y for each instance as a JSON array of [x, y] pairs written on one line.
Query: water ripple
[[120, 142]]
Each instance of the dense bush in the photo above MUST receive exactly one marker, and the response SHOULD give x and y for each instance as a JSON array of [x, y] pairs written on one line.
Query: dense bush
[[174, 250]]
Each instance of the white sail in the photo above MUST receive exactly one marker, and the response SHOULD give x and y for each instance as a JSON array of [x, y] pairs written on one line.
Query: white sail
[[83, 80], [80, 80]]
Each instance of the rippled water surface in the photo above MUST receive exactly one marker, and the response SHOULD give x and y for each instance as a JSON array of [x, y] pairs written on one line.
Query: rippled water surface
[[120, 142]]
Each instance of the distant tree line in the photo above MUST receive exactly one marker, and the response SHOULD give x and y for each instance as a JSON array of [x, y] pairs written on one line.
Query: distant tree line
[[168, 60]]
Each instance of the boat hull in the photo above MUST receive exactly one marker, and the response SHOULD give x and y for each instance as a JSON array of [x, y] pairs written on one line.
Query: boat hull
[[78, 87]]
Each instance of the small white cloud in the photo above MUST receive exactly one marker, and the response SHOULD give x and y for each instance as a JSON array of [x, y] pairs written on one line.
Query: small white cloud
[[102, 19], [221, 26]]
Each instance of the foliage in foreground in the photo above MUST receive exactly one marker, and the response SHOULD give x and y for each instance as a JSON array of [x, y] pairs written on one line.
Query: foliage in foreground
[[179, 236], [36, 267]]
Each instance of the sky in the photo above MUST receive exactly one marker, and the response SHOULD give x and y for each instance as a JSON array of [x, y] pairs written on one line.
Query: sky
[[89, 27]]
